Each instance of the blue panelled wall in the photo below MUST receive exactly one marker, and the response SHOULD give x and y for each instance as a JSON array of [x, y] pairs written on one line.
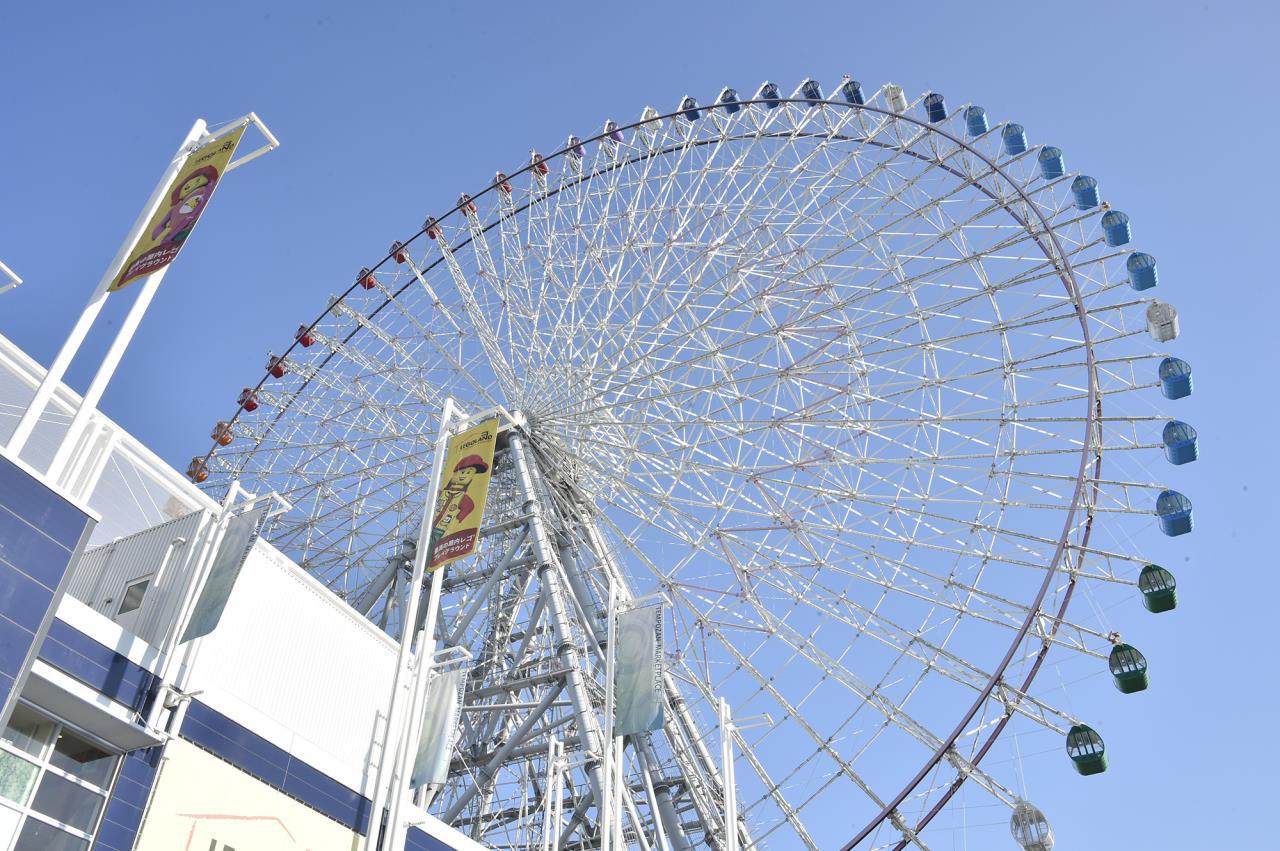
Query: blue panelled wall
[[41, 536], [110, 673]]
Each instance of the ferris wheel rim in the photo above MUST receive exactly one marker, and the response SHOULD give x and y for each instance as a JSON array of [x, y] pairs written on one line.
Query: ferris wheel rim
[[1054, 253]]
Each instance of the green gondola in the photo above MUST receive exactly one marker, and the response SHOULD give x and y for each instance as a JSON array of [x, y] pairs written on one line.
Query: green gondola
[[1086, 749], [1129, 667], [1159, 589]]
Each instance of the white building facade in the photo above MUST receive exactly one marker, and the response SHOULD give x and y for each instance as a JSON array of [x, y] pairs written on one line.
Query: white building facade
[[117, 735]]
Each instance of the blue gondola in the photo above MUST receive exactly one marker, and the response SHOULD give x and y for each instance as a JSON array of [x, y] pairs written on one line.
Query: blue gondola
[[1175, 378], [729, 100], [1015, 139], [1174, 511], [810, 90], [1142, 271], [975, 120], [1051, 163], [851, 91], [1115, 227], [1085, 190], [1180, 442], [769, 94], [935, 106], [689, 108]]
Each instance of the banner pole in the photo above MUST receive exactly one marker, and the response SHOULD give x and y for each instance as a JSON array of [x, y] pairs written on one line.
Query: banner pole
[[106, 369], [409, 620], [52, 378]]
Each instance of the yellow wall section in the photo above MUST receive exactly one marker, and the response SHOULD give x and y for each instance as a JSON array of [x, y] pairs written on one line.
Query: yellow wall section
[[202, 803]]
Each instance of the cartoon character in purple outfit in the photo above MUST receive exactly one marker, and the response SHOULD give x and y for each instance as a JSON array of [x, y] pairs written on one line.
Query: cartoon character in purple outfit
[[186, 204]]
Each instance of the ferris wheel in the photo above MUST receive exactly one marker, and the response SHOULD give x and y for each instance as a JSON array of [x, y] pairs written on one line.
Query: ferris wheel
[[864, 390]]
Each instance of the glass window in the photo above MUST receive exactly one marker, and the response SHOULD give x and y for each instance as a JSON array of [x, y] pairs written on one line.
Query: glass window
[[79, 758], [53, 785], [38, 836], [28, 731], [133, 596], [17, 777], [67, 802]]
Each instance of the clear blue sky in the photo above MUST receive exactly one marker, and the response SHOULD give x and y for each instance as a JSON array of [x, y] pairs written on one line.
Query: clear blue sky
[[387, 111]]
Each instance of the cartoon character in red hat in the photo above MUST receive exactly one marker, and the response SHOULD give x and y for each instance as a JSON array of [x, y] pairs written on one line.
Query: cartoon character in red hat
[[185, 205], [453, 503]]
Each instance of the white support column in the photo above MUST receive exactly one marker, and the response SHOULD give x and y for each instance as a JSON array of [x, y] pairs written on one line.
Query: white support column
[[396, 703], [726, 771], [52, 378], [607, 811]]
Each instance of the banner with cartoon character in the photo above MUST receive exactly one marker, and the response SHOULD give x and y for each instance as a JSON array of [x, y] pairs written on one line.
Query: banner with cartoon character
[[455, 527], [185, 200]]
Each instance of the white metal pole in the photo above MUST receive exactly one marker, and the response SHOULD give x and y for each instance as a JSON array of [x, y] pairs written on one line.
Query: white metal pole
[[726, 772], [606, 814], [106, 369], [202, 562], [44, 392], [395, 708], [396, 831], [14, 280]]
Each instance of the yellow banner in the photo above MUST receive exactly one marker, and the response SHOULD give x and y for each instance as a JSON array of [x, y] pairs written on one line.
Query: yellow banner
[[455, 528], [185, 200]]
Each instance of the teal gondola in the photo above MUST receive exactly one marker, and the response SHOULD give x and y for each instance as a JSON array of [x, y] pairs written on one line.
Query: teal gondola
[[1180, 442], [1174, 511], [1128, 668], [1115, 227], [935, 107], [1085, 191], [1015, 139], [1087, 750], [1175, 378], [975, 121], [1159, 589], [1052, 166], [1142, 271]]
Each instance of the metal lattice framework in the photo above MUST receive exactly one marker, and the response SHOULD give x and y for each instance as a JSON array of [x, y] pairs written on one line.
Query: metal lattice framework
[[837, 380]]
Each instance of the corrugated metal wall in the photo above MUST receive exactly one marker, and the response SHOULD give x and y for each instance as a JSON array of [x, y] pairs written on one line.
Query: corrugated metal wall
[[103, 573]]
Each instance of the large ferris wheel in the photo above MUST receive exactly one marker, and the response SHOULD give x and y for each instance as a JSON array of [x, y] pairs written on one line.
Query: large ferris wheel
[[864, 390]]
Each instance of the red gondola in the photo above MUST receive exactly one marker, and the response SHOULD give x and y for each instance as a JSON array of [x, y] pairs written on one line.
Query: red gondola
[[304, 337], [465, 203], [275, 365], [503, 183], [248, 400], [539, 165], [400, 251], [432, 227], [366, 279]]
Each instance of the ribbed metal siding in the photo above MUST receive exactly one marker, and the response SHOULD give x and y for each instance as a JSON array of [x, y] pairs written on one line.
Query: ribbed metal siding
[[104, 572]]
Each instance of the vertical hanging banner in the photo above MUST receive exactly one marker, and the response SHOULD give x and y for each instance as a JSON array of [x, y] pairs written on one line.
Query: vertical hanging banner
[[638, 669], [236, 543], [185, 200], [455, 527], [439, 729]]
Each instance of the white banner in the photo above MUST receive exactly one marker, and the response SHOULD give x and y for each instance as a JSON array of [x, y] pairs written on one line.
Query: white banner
[[637, 676], [439, 728], [237, 541]]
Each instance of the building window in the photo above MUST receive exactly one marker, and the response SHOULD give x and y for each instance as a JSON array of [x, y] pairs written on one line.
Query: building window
[[133, 594], [53, 785]]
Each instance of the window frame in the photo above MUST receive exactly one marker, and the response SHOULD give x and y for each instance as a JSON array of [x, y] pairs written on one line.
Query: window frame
[[44, 765], [124, 595]]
